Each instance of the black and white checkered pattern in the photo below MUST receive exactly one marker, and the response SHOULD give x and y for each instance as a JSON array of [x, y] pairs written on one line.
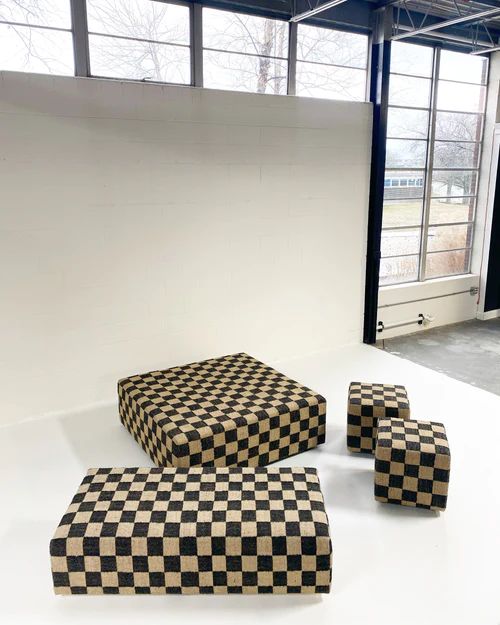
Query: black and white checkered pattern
[[412, 463], [230, 411], [367, 403], [199, 530]]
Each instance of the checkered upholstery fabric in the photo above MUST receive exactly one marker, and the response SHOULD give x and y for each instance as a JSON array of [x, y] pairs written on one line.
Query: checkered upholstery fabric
[[412, 463], [230, 411], [367, 403], [198, 530]]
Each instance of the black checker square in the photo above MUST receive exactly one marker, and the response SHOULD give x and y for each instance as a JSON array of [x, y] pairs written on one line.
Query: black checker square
[[366, 404], [177, 545], [229, 411], [412, 464]]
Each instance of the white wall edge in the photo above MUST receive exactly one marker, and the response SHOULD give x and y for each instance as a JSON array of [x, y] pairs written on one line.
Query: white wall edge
[[109, 403], [488, 216], [491, 314], [59, 414]]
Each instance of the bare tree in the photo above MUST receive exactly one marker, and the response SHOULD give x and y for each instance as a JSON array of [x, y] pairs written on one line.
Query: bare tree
[[329, 62], [459, 127], [245, 52], [35, 43], [129, 41]]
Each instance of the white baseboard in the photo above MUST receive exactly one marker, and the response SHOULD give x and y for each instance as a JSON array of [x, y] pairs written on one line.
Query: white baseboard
[[491, 314]]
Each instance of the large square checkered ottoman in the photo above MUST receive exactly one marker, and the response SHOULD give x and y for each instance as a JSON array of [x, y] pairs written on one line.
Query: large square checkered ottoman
[[198, 530], [230, 411], [412, 463], [366, 404]]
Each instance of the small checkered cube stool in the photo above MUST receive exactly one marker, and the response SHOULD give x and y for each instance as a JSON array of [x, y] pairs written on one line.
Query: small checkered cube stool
[[412, 463], [198, 530], [367, 403], [229, 411]]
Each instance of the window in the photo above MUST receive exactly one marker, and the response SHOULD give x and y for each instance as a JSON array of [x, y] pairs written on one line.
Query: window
[[35, 36], [331, 63], [244, 52], [150, 40], [433, 145], [139, 40]]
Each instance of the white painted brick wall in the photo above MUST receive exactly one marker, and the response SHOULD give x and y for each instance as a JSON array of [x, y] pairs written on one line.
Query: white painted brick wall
[[145, 226]]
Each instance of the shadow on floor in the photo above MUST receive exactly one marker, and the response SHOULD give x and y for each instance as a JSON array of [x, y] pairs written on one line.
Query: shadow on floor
[[468, 351], [99, 439]]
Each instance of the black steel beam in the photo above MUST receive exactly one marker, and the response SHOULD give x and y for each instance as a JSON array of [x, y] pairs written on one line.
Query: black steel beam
[[80, 37], [379, 96], [354, 15]]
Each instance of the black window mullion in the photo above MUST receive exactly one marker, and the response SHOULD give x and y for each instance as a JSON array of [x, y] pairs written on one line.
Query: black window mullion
[[80, 37]]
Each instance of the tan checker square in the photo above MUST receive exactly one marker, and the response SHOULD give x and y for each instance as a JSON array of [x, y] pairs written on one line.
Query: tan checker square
[[366, 404], [176, 415], [412, 464], [218, 532]]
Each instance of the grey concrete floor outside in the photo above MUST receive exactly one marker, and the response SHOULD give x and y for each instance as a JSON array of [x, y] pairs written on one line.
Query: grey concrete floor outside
[[468, 351]]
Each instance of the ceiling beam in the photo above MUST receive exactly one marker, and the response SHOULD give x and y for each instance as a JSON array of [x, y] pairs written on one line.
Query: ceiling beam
[[473, 17], [318, 9], [466, 41], [487, 51]]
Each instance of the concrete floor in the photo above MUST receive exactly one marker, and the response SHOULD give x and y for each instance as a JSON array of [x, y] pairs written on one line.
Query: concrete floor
[[468, 351], [391, 565]]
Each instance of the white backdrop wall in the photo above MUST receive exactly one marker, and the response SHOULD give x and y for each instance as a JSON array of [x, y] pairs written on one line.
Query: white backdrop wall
[[144, 226]]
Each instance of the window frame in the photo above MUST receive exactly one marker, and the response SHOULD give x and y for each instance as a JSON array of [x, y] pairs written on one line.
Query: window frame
[[69, 29], [285, 59], [428, 171], [188, 46], [80, 32], [297, 61]]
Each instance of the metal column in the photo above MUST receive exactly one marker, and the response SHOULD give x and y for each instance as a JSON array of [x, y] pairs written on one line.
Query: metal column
[[292, 58], [197, 45], [80, 37], [379, 96]]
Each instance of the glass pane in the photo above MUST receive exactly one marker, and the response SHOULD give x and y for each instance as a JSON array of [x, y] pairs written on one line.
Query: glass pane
[[139, 60], [408, 58], [394, 270], [458, 126], [407, 123], [407, 91], [236, 32], [453, 183], [456, 155], [397, 242], [448, 238], [37, 12], [405, 153], [326, 81], [453, 96], [26, 49], [402, 213], [447, 263], [240, 72], [448, 210], [463, 67], [140, 19], [333, 47]]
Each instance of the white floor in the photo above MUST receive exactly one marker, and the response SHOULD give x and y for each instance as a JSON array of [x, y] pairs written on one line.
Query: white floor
[[392, 565]]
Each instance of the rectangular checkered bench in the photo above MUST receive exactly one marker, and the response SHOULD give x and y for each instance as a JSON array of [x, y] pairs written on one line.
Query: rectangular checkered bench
[[412, 463], [229, 411], [366, 404], [199, 530]]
